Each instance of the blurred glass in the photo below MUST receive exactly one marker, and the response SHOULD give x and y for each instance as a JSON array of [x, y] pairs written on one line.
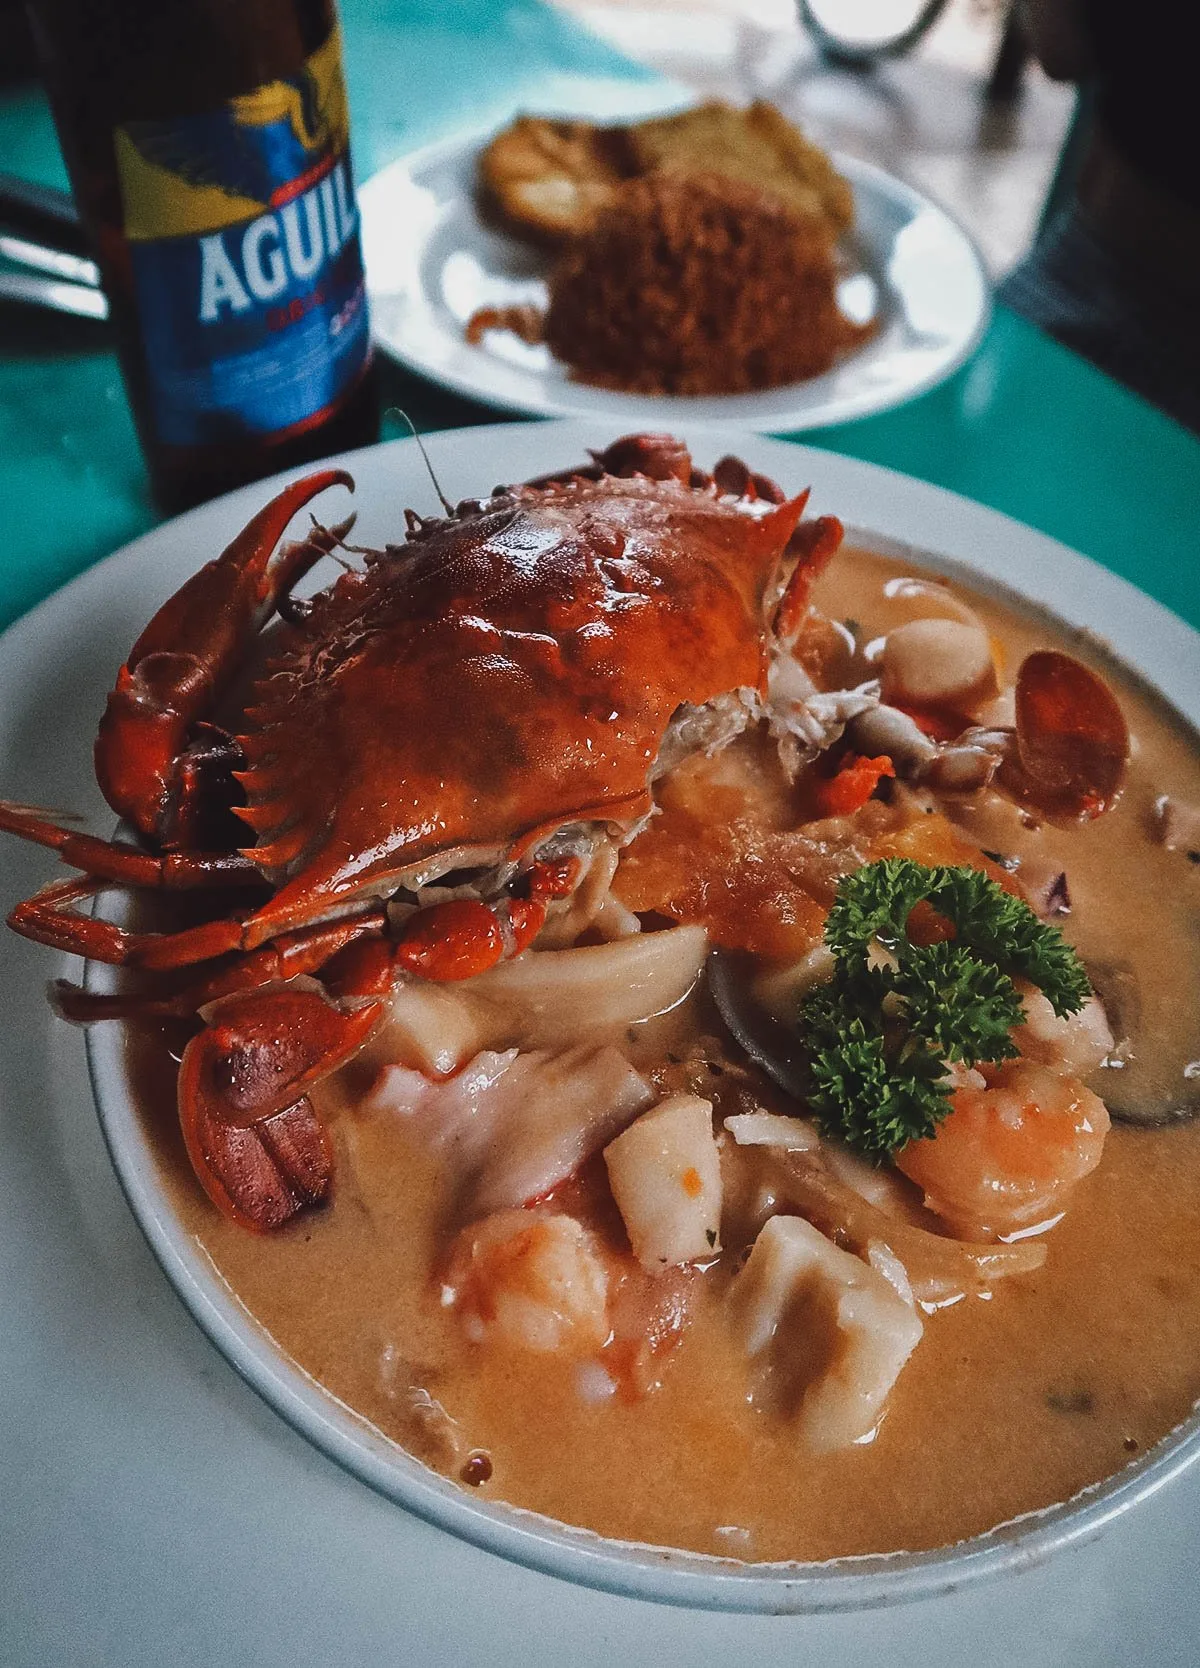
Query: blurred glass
[[859, 31]]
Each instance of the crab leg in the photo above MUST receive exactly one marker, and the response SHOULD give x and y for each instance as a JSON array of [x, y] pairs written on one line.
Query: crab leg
[[264, 1175], [815, 543], [445, 942], [49, 917], [306, 951], [115, 860], [190, 651], [261, 1050]]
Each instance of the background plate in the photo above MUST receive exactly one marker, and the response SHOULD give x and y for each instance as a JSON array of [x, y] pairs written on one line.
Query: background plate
[[431, 262], [157, 1511]]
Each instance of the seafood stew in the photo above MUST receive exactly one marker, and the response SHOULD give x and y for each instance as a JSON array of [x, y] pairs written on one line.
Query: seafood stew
[[797, 1350]]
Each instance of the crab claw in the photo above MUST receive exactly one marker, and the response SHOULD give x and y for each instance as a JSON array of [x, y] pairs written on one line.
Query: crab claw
[[451, 941], [1072, 742], [263, 1176], [257, 1147], [659, 456], [814, 544], [189, 652]]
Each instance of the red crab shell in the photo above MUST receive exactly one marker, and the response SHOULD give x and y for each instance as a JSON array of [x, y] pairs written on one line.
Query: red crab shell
[[509, 671], [499, 676]]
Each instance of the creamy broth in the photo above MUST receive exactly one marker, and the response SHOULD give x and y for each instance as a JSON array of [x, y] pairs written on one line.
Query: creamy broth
[[1007, 1404]]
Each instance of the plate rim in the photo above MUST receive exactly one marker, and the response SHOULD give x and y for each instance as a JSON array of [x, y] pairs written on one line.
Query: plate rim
[[689, 1579], [456, 147]]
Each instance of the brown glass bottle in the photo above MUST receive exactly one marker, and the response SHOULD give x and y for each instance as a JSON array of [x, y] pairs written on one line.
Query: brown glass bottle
[[207, 146]]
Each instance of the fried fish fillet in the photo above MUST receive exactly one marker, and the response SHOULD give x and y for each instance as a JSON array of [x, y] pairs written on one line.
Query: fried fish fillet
[[549, 179], [757, 146]]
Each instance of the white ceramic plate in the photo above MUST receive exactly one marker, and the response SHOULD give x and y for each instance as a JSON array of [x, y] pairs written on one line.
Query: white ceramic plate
[[431, 262], [136, 1472]]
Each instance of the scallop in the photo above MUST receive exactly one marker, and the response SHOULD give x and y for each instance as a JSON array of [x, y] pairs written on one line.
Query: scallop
[[665, 1175], [938, 663]]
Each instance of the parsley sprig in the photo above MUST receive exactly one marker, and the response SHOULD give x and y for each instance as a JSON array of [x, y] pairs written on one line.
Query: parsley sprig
[[878, 1036]]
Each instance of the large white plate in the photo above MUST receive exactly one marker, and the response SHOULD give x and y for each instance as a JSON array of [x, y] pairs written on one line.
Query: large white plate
[[154, 1510], [431, 262]]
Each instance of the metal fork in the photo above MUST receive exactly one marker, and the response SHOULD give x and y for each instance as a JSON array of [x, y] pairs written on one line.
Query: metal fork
[[43, 251]]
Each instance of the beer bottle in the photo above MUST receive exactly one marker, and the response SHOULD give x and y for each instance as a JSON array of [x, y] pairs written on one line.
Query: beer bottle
[[207, 143]]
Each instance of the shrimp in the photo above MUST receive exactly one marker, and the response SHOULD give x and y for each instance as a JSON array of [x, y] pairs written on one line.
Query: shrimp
[[1009, 1154], [532, 1279], [1078, 1043]]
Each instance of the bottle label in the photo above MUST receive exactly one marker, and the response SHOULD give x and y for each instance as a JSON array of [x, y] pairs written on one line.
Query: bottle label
[[243, 234]]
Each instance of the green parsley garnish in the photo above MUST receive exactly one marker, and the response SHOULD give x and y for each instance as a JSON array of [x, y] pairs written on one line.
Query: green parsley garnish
[[879, 1034]]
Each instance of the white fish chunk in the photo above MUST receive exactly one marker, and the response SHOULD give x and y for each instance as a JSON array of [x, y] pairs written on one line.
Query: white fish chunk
[[665, 1174], [513, 1126], [431, 1027], [555, 1111], [828, 1332], [773, 1129]]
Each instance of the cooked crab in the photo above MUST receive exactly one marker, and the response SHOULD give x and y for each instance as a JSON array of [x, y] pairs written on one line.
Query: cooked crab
[[431, 754]]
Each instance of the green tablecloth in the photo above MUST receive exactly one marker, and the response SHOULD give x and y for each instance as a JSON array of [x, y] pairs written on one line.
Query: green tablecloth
[[1026, 427]]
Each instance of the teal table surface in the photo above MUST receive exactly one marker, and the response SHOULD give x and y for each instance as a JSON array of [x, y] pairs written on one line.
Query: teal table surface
[[1026, 426]]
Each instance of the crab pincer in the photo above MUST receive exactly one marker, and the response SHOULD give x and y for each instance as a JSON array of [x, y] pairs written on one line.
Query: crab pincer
[[191, 650], [258, 1148]]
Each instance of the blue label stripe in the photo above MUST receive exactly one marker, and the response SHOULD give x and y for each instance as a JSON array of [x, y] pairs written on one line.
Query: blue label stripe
[[255, 327]]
